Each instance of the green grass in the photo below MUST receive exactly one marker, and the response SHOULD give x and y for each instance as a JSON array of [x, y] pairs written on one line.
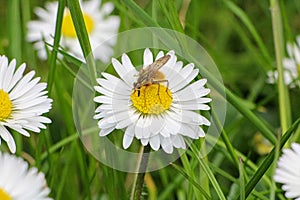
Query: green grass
[[243, 38]]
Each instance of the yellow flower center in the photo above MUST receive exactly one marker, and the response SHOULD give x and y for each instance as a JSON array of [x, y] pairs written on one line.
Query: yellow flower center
[[5, 106], [152, 99], [4, 195], [68, 29]]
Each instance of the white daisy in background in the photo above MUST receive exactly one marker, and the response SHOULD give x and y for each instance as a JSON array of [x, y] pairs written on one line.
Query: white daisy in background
[[291, 67], [100, 27], [160, 113], [22, 102], [17, 182], [288, 171]]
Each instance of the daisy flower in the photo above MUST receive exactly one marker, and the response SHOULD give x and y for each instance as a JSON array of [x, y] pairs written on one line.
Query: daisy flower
[[291, 66], [22, 102], [161, 112], [288, 171], [17, 182], [100, 27]]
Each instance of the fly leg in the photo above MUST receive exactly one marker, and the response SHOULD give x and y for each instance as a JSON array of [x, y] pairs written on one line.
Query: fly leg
[[138, 90], [162, 81]]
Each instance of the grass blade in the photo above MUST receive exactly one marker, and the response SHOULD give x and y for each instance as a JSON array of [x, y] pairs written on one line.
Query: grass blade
[[83, 37], [284, 100], [241, 179], [170, 12], [245, 19], [191, 180], [57, 36], [140, 13], [208, 172], [269, 160]]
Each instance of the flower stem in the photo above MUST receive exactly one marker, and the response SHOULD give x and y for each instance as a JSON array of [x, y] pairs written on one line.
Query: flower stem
[[284, 101], [139, 180], [57, 36]]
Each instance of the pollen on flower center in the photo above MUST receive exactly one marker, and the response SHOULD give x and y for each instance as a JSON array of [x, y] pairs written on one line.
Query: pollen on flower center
[[5, 105], [4, 195], [68, 29], [152, 99]]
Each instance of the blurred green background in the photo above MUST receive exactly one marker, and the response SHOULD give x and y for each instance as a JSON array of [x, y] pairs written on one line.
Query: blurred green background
[[222, 28]]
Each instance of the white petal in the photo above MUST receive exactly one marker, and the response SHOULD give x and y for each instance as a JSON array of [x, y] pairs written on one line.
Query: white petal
[[297, 53], [192, 106], [139, 128], [172, 127], [190, 131], [105, 132], [103, 99], [157, 124], [8, 75], [107, 8], [166, 144], [193, 91], [127, 63], [155, 142], [4, 133], [11, 144], [3, 69], [159, 55], [127, 140], [178, 141], [125, 72], [148, 57], [16, 77], [144, 141], [147, 126], [23, 85], [128, 121]]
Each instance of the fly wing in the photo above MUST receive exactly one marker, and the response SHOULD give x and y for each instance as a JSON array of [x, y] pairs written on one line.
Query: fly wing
[[156, 65], [148, 73]]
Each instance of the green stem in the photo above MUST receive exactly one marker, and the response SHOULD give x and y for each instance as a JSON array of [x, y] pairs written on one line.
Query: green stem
[[139, 181], [57, 36], [14, 28], [59, 145], [284, 101]]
